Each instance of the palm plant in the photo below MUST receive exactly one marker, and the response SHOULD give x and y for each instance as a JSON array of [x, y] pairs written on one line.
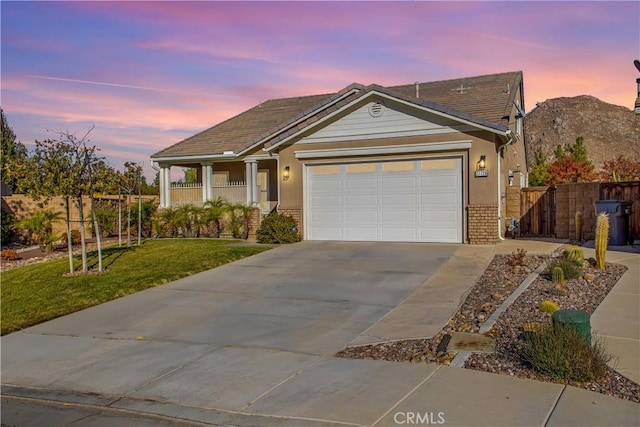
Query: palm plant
[[212, 214], [237, 219], [40, 228], [188, 217], [167, 222]]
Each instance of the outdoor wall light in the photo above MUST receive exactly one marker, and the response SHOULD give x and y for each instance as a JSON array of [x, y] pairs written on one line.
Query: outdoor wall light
[[481, 172], [285, 173], [482, 162]]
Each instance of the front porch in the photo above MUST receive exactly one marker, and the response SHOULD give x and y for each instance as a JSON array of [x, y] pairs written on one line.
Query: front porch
[[252, 182]]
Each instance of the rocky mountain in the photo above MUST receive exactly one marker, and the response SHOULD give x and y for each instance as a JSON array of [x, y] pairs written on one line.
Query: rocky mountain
[[608, 130]]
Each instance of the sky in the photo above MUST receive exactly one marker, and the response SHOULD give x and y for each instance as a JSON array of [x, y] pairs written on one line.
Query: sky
[[146, 75]]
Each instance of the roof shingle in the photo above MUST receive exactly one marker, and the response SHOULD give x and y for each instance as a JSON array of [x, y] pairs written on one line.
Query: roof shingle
[[485, 99]]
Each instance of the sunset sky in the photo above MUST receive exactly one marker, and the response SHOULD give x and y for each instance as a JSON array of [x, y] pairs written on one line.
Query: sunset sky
[[149, 74]]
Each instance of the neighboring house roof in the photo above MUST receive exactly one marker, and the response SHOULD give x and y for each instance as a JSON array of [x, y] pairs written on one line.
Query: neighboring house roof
[[484, 100]]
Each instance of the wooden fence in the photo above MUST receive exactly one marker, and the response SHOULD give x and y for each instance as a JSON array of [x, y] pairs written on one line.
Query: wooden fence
[[539, 207], [629, 191], [538, 211]]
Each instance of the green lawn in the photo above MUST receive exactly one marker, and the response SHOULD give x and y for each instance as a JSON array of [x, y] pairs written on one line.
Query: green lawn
[[35, 293]]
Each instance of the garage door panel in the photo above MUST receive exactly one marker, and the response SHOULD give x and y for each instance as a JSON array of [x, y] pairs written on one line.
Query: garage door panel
[[403, 183], [323, 202], [332, 185], [393, 200], [442, 217], [438, 182], [357, 217], [358, 200], [439, 235], [326, 217], [357, 183], [400, 217], [439, 199], [405, 234], [326, 233], [386, 201]]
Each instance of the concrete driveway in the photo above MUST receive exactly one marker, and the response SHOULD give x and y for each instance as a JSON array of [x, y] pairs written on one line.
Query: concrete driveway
[[225, 337]]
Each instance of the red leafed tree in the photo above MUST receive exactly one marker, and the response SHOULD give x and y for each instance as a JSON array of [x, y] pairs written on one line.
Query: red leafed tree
[[570, 169], [620, 170]]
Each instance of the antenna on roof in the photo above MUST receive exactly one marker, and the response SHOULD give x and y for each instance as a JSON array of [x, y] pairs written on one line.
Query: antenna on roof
[[636, 62], [417, 89]]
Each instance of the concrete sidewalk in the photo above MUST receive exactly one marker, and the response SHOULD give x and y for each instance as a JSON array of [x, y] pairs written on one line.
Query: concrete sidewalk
[[58, 379]]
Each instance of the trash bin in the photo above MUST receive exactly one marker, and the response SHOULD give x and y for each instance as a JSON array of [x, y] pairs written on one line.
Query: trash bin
[[580, 320], [619, 212]]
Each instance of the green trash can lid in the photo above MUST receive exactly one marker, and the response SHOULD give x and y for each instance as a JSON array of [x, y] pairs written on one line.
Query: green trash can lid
[[571, 315]]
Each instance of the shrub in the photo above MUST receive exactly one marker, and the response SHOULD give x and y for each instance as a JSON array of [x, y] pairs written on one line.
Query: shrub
[[9, 255], [548, 307], [278, 228], [75, 237], [107, 221], [572, 269], [8, 220], [561, 353], [517, 258], [148, 211]]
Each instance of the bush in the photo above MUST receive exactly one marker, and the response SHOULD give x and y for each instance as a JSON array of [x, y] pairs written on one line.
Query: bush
[[75, 237], [561, 353], [278, 228], [9, 255], [8, 219], [107, 221], [517, 258], [148, 211]]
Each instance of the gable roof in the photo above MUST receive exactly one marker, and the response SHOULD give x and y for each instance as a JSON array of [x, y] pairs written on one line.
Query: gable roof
[[485, 100]]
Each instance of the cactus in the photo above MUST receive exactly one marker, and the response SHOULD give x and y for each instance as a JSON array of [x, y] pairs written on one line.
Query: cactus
[[557, 275], [578, 227], [602, 238], [548, 307], [574, 253]]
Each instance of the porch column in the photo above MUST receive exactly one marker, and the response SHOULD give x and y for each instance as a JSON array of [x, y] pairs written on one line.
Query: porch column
[[254, 183], [207, 181], [251, 178], [165, 185]]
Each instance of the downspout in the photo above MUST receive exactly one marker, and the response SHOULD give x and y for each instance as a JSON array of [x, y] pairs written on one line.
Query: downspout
[[512, 139]]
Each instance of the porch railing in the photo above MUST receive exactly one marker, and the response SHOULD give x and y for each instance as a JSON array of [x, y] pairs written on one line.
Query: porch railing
[[233, 192]]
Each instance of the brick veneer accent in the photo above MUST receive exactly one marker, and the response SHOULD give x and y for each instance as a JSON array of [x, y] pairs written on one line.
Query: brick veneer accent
[[255, 218], [296, 213], [482, 224]]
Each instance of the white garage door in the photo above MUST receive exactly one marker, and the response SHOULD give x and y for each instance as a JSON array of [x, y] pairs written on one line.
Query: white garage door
[[399, 201]]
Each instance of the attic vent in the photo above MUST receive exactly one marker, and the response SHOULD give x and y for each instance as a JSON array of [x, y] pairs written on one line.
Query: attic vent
[[376, 109]]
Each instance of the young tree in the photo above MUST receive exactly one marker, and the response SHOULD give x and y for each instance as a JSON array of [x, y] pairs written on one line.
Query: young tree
[[572, 167], [43, 176], [578, 151], [130, 183], [620, 170], [539, 174], [84, 161], [11, 151]]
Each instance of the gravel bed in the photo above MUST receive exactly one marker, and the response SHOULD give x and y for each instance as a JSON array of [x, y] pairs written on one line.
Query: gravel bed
[[503, 275]]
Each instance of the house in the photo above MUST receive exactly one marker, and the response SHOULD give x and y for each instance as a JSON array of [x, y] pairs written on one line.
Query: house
[[424, 162]]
